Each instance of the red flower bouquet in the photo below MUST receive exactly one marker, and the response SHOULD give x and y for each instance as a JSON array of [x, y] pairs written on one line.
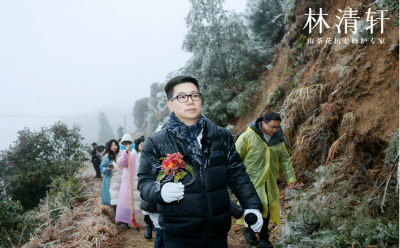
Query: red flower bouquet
[[174, 167]]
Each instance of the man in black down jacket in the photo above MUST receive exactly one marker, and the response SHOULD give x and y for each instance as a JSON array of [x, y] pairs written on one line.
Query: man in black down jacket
[[201, 217]]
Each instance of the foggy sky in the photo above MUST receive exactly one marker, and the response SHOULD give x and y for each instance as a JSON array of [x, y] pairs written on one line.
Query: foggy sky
[[69, 60]]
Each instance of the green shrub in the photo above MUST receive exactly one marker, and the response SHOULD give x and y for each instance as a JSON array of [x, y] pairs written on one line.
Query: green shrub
[[243, 102], [300, 41], [61, 194], [293, 84], [336, 219], [37, 158], [15, 225], [275, 96]]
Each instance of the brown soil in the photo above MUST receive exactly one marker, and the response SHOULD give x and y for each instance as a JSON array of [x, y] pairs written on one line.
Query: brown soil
[[359, 79], [124, 237], [369, 88]]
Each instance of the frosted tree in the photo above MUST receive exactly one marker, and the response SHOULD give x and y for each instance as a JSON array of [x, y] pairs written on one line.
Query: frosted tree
[[120, 132], [266, 20], [224, 56], [105, 133], [157, 105], [139, 111]]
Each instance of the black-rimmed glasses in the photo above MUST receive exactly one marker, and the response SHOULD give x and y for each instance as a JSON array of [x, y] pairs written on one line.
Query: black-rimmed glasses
[[273, 127], [185, 98]]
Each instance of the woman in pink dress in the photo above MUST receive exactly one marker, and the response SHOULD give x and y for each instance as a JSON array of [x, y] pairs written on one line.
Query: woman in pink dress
[[124, 209]]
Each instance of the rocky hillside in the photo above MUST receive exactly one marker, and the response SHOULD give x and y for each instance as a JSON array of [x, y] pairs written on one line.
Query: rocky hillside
[[357, 80], [340, 105], [362, 79]]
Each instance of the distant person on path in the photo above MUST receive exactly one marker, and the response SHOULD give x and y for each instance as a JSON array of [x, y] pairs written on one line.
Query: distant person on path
[[124, 210], [263, 151], [112, 175], [101, 150], [96, 160], [202, 216]]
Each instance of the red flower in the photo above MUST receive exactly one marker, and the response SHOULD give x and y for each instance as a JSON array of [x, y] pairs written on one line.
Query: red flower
[[173, 167], [173, 163]]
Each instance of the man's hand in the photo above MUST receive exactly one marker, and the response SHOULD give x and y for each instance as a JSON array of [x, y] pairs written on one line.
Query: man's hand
[[128, 148], [256, 227], [291, 185], [172, 192]]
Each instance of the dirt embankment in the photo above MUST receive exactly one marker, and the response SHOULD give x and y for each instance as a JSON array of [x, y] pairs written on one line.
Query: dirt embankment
[[359, 78]]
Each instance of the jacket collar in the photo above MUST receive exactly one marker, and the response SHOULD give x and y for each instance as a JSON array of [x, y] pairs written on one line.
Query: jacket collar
[[210, 129]]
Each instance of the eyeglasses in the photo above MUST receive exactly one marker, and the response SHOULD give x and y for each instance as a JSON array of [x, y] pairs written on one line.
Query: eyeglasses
[[185, 98], [125, 143], [273, 127]]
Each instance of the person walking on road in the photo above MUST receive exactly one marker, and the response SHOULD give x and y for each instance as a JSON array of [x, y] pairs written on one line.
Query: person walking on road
[[196, 211], [263, 151]]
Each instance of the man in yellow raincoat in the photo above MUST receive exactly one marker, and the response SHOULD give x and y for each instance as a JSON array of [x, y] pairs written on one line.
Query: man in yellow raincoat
[[263, 151]]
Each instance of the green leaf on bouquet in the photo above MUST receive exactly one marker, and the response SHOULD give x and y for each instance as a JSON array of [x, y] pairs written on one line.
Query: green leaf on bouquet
[[160, 176], [188, 168], [179, 175]]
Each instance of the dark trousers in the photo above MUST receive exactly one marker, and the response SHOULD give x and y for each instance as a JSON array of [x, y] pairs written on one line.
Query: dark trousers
[[114, 207], [264, 233], [148, 221], [96, 166], [217, 241], [159, 240]]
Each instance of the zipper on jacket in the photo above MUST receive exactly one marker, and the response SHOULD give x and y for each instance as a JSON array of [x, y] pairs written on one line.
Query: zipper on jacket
[[202, 186], [201, 168], [206, 161], [204, 194]]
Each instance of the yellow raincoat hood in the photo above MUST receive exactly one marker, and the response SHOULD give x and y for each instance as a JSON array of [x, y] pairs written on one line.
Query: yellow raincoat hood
[[262, 163]]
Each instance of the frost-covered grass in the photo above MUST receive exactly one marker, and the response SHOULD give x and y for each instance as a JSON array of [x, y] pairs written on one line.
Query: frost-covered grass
[[322, 217]]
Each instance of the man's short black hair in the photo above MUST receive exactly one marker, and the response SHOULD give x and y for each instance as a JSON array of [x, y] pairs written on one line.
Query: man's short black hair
[[271, 116], [94, 144], [178, 80]]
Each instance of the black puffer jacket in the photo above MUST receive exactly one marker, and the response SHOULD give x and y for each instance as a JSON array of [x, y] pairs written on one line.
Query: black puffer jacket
[[148, 206], [205, 208]]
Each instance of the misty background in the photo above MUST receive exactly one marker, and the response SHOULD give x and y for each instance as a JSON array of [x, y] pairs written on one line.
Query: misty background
[[70, 60]]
